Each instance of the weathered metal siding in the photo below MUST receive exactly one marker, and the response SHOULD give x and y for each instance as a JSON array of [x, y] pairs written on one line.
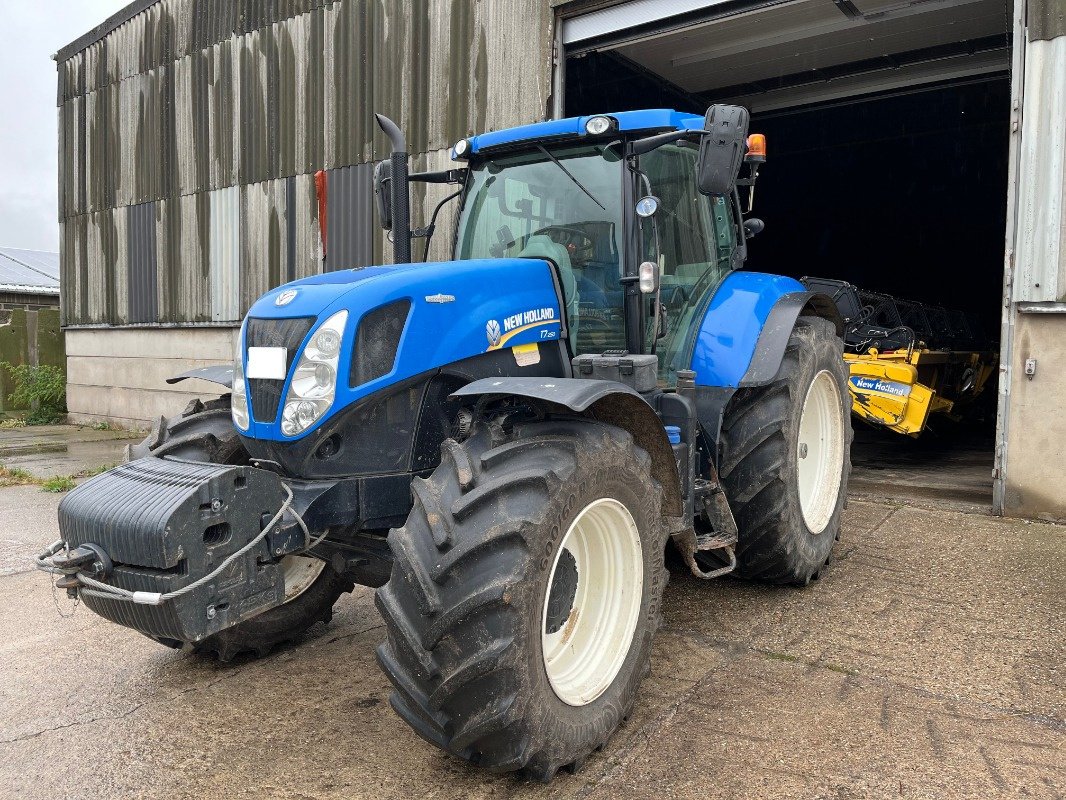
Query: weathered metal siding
[[142, 278], [224, 253], [351, 223], [1041, 249], [189, 98]]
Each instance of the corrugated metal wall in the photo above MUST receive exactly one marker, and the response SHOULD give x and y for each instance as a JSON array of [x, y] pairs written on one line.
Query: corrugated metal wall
[[1041, 249], [211, 117]]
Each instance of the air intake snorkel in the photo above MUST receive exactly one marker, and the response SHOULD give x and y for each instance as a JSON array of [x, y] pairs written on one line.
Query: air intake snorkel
[[401, 203]]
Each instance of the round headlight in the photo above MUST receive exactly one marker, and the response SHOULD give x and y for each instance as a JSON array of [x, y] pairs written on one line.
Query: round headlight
[[328, 342], [597, 126], [324, 377], [306, 413], [462, 147]]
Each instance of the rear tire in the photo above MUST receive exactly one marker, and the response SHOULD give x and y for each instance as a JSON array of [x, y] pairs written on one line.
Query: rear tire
[[785, 458], [205, 432], [482, 588]]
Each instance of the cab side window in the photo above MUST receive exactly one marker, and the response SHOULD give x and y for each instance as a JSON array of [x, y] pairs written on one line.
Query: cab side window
[[695, 244]]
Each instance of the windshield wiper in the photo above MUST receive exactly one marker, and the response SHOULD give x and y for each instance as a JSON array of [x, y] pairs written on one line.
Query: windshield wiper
[[570, 175]]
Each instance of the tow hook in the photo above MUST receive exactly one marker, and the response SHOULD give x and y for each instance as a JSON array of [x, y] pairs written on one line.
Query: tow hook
[[89, 559]]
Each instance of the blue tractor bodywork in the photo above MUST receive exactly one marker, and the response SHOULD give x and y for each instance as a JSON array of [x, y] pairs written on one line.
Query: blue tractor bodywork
[[657, 119], [452, 306], [726, 340]]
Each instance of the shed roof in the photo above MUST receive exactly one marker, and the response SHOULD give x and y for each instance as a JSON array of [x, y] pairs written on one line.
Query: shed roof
[[120, 17], [29, 271]]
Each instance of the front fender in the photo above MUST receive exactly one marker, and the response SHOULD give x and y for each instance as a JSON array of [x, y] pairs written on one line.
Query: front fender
[[606, 401]]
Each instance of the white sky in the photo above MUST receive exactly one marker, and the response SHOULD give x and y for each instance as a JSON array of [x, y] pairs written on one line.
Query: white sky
[[30, 32]]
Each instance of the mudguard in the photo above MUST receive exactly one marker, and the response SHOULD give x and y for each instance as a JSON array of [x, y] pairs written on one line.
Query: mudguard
[[606, 401], [221, 374], [742, 335]]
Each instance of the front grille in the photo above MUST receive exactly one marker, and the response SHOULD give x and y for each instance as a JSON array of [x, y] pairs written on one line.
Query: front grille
[[377, 341], [265, 395]]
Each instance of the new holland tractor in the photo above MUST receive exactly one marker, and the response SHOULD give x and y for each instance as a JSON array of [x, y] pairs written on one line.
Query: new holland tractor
[[504, 443]]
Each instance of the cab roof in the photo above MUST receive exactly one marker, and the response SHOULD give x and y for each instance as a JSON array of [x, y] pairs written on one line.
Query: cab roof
[[651, 120]]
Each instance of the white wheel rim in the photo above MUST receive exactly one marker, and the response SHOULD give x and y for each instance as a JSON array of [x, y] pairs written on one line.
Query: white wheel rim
[[820, 451], [300, 572], [582, 656]]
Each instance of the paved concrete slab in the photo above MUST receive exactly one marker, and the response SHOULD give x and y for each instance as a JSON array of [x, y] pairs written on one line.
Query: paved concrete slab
[[48, 450], [927, 663], [954, 467]]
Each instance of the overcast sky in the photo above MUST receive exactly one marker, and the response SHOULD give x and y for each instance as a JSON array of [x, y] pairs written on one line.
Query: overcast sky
[[30, 32]]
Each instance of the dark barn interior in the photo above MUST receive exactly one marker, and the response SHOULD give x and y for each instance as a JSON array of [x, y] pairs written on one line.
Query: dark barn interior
[[901, 191]]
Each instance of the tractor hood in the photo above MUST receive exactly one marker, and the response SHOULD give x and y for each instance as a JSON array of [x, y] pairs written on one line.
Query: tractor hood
[[402, 321]]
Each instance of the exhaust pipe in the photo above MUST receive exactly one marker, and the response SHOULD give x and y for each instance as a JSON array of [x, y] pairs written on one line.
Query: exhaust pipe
[[401, 202]]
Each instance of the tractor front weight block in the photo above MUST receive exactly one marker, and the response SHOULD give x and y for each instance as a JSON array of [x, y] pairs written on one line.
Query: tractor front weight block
[[163, 524]]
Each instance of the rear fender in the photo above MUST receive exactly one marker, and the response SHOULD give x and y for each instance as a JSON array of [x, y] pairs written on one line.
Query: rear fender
[[742, 336], [606, 401]]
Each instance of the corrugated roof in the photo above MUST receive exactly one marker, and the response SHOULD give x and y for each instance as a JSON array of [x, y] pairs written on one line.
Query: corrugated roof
[[29, 271], [103, 29]]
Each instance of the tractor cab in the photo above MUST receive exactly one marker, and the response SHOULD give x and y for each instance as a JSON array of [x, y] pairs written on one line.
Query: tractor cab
[[598, 197]]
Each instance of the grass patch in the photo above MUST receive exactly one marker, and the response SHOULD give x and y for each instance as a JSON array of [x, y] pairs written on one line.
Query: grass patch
[[783, 657], [92, 471], [58, 484], [13, 422], [790, 659], [13, 476]]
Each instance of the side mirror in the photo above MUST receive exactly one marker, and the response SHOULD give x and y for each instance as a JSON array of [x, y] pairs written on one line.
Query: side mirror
[[722, 148], [753, 226], [383, 192]]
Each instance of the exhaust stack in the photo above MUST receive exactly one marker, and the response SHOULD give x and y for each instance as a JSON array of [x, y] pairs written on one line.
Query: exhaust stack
[[401, 202]]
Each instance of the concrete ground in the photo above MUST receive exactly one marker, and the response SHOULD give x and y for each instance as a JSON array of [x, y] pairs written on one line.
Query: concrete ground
[[927, 663], [48, 450]]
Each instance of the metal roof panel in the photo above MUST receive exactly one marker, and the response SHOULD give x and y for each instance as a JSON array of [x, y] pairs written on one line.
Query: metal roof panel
[[29, 270]]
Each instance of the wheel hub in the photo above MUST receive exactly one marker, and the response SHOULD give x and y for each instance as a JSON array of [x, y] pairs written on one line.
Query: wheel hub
[[562, 593], [592, 604], [820, 451]]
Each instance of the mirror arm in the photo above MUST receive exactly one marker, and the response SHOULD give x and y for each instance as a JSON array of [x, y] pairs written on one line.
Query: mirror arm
[[444, 176], [646, 145]]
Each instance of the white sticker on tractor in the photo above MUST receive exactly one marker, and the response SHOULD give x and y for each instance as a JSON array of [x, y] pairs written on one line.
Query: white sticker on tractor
[[266, 362], [526, 355]]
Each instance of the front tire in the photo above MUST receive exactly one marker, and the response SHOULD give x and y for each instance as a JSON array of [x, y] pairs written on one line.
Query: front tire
[[204, 432], [785, 458], [511, 641]]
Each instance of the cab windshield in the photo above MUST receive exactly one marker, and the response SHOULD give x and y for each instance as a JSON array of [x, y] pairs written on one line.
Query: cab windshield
[[526, 205]]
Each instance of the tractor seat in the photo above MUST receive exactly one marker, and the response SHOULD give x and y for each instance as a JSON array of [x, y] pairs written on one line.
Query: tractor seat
[[541, 246]]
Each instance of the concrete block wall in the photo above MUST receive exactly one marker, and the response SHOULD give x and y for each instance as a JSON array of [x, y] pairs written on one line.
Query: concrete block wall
[[28, 335], [1036, 429], [118, 375]]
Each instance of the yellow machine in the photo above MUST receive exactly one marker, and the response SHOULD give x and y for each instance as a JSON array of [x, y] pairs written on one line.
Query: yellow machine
[[902, 388], [908, 360]]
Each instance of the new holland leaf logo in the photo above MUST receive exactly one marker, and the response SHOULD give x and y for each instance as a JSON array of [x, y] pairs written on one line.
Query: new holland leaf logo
[[492, 331]]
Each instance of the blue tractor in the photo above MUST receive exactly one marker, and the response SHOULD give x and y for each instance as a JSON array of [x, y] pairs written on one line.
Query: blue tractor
[[504, 443]]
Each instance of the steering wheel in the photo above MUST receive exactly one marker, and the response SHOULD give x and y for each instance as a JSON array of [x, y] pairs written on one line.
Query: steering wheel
[[579, 245]]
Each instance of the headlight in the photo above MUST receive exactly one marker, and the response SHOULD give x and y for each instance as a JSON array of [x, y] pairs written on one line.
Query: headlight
[[239, 391], [461, 149], [597, 126], [314, 381]]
